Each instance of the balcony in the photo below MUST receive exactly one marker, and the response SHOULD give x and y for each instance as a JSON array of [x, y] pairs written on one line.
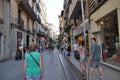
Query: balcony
[[79, 30], [75, 9], [66, 2], [21, 22], [34, 0], [38, 7], [40, 33], [1, 20], [34, 31], [39, 20], [28, 29], [95, 4], [27, 8]]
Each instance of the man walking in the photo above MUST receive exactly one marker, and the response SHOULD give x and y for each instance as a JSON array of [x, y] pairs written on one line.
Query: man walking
[[95, 59], [75, 49]]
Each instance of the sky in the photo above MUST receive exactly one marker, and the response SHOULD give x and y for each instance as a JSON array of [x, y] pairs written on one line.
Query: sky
[[54, 8]]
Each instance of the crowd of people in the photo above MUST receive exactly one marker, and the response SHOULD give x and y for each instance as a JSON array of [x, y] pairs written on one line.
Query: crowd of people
[[33, 67]]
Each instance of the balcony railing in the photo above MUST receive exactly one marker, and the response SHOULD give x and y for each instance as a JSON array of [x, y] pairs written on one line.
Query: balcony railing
[[34, 0], [34, 31], [39, 20], [38, 7], [40, 33], [27, 8], [28, 29], [21, 22], [94, 4]]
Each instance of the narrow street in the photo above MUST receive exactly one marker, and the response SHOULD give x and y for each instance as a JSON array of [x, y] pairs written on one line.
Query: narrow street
[[53, 69], [13, 70], [56, 67]]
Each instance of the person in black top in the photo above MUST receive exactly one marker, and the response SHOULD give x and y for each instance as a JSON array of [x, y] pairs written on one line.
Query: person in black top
[[68, 49]]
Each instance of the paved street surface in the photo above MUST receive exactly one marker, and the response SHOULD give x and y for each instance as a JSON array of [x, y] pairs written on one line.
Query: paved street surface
[[53, 69], [11, 70]]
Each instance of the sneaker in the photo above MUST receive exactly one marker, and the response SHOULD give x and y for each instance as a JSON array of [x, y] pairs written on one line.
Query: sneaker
[[100, 78], [90, 78]]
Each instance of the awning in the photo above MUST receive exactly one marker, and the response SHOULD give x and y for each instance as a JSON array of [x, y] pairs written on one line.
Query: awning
[[80, 28]]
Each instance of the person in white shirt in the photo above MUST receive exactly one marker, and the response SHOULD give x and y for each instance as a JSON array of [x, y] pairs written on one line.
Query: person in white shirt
[[75, 49]]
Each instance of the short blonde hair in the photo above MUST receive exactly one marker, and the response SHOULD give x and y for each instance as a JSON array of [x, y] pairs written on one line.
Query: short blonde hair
[[32, 47]]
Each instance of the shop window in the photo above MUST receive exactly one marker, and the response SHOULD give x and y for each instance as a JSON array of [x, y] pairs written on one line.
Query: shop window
[[111, 44]]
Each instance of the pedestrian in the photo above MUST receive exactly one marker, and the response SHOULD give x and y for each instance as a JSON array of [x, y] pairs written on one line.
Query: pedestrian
[[95, 59], [68, 49], [81, 51], [24, 51], [75, 49], [62, 48], [33, 67]]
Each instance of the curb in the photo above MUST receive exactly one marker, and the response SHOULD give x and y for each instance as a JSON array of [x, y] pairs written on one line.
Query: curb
[[62, 66], [105, 64], [111, 66], [66, 73]]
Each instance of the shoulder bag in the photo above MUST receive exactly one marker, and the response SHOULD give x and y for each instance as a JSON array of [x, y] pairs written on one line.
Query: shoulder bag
[[34, 60]]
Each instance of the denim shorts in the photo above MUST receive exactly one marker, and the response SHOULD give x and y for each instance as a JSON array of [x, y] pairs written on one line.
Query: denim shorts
[[95, 64], [82, 59], [33, 77]]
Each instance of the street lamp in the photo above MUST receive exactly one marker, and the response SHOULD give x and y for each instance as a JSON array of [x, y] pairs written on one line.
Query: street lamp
[[86, 62]]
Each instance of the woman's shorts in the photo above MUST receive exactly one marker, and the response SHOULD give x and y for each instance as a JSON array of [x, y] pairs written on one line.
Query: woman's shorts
[[82, 59]]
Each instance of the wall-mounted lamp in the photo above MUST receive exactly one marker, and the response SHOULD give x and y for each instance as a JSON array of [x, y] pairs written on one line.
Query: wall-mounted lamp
[[101, 22]]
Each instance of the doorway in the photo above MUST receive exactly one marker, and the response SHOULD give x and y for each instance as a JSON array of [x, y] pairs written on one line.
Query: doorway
[[27, 40]]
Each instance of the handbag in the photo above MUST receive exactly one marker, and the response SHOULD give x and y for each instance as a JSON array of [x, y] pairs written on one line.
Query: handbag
[[77, 56], [34, 60]]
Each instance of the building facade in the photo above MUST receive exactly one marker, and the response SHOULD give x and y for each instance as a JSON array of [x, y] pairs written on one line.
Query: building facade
[[73, 24], [105, 27], [22, 29], [20, 25], [102, 21], [4, 29]]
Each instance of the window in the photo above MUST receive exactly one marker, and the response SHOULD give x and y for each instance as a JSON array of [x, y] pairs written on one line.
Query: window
[[19, 13], [28, 21]]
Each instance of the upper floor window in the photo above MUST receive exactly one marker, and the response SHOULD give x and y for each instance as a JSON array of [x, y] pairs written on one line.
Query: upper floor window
[[27, 20], [19, 13]]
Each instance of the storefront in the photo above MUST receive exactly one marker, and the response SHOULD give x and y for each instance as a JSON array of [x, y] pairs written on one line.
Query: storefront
[[19, 39], [110, 38]]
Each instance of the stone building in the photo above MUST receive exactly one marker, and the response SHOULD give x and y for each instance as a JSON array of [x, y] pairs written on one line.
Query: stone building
[[102, 21], [73, 24], [4, 29], [20, 24]]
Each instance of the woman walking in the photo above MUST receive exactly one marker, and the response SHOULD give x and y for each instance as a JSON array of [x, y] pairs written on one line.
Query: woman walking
[[33, 67], [82, 57]]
